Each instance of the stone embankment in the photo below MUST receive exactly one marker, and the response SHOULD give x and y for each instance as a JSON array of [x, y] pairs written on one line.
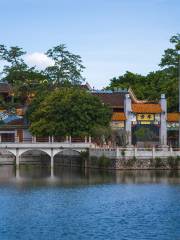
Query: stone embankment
[[136, 158]]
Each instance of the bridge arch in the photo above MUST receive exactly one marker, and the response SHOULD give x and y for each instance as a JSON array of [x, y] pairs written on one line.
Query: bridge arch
[[34, 156], [68, 157], [7, 156], [68, 152], [23, 151]]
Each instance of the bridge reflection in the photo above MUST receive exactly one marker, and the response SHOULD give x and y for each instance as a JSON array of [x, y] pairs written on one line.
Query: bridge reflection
[[39, 175]]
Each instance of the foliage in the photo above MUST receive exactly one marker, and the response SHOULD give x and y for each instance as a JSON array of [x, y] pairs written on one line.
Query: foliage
[[144, 134], [104, 162], [101, 134], [27, 81], [173, 162], [153, 84], [158, 162], [67, 67], [23, 80], [84, 155], [131, 162], [119, 137], [67, 111]]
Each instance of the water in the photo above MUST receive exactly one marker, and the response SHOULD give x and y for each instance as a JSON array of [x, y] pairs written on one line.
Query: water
[[38, 204]]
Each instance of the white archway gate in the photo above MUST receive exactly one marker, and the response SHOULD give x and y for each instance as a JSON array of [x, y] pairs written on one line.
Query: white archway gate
[[51, 149]]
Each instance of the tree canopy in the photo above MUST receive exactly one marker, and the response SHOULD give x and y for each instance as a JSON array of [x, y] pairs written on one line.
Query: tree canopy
[[25, 80], [67, 66], [153, 84], [67, 111]]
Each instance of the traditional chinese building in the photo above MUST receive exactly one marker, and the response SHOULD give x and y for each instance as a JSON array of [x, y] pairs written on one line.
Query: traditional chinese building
[[173, 129], [135, 116]]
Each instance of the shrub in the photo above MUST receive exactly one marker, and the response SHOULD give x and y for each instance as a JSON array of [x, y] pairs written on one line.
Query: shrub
[[159, 162], [94, 161], [123, 152], [130, 162], [84, 155], [104, 162], [170, 161]]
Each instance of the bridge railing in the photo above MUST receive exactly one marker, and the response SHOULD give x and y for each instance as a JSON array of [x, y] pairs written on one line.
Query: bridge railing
[[46, 139]]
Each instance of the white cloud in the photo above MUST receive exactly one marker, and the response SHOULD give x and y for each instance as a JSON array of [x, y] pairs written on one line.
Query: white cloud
[[38, 59]]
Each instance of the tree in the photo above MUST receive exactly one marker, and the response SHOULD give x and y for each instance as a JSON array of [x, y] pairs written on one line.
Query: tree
[[67, 66], [170, 59], [153, 84], [24, 80], [67, 111]]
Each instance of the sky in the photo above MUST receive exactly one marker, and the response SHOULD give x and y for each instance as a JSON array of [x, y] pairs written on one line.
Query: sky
[[111, 36]]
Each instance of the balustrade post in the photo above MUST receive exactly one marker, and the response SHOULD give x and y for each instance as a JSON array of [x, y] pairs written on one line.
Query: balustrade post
[[89, 139], [70, 139], [52, 139], [67, 139], [85, 139], [171, 151], [153, 152], [34, 139], [49, 139], [135, 151]]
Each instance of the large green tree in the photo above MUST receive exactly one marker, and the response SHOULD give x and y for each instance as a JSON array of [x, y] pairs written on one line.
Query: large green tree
[[67, 111], [23, 79], [67, 66], [153, 84]]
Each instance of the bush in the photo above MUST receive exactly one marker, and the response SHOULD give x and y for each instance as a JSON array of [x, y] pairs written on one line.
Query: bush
[[94, 161], [159, 162], [84, 155], [104, 162], [173, 162], [170, 161], [130, 162]]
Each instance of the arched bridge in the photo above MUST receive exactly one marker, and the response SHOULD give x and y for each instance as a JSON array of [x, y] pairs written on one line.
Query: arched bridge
[[51, 149]]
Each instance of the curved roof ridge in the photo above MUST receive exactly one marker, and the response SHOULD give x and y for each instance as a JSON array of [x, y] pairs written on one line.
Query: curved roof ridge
[[134, 98]]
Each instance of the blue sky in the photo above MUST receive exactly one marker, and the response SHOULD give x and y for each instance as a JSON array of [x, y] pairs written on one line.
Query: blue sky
[[111, 36]]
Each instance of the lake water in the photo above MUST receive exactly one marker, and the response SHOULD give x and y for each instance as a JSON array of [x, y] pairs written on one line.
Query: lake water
[[38, 204]]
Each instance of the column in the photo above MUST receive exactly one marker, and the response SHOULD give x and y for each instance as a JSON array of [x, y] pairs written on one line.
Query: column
[[163, 121], [52, 158], [153, 153], [128, 113], [17, 157]]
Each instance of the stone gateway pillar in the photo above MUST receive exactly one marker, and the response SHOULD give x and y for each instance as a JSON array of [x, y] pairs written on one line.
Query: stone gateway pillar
[[163, 121], [128, 112]]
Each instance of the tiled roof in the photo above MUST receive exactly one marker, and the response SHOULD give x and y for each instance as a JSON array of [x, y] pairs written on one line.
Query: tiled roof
[[118, 116], [17, 122], [20, 111], [114, 99], [173, 117], [146, 108], [5, 88]]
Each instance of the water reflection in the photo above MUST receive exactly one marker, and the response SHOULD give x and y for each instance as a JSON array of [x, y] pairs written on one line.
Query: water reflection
[[64, 176]]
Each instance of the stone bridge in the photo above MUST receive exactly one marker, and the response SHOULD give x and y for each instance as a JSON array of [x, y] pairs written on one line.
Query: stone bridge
[[51, 149]]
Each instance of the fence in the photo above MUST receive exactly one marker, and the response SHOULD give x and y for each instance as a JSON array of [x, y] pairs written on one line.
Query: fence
[[48, 139], [131, 152]]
